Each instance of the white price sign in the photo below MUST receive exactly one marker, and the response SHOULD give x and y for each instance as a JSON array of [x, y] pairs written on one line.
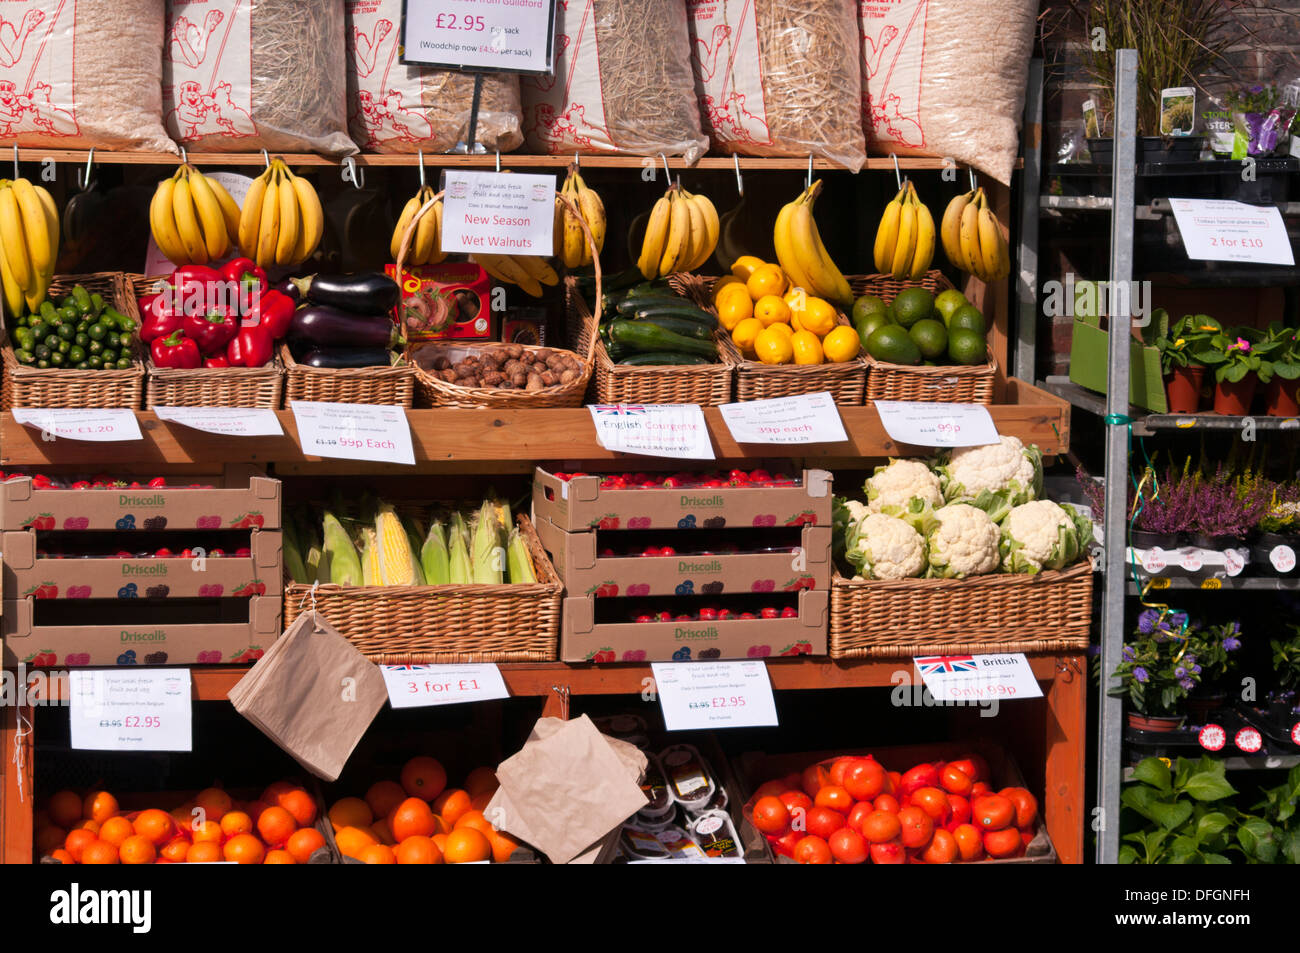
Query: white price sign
[[925, 424], [1153, 560], [73, 423], [513, 35], [978, 678], [807, 418], [125, 710], [1282, 557], [226, 421], [416, 686], [653, 430], [377, 432], [1220, 230], [714, 694], [498, 213]]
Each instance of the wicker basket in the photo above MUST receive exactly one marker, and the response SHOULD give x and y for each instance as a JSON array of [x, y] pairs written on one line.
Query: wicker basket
[[845, 381], [348, 385], [1003, 612], [25, 386], [408, 625], [956, 384]]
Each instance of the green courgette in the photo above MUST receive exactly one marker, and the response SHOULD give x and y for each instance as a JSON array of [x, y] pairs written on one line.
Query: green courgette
[[682, 326], [661, 358], [643, 336], [631, 303], [683, 312]]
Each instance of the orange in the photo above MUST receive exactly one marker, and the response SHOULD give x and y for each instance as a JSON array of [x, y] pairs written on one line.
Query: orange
[[745, 333], [807, 348], [383, 796], [244, 849], [480, 780], [305, 842], [812, 850], [942, 848], [66, 809], [993, 812], [935, 803], [279, 856], [424, 777], [848, 846], [384, 834], [88, 825], [236, 822], [1026, 805], [480, 801], [208, 832], [771, 816], [62, 856], [183, 816], [205, 852], [350, 812], [115, 830], [770, 310], [275, 825], [137, 849], [418, 850], [155, 825], [412, 819], [175, 850], [834, 797], [734, 307], [441, 841], [254, 808], [99, 852], [215, 803], [864, 779], [476, 820], [917, 826], [765, 280], [1003, 843], [745, 265], [300, 805], [99, 806], [502, 847], [890, 852], [841, 344], [886, 802], [466, 845], [970, 845], [881, 826], [52, 838], [956, 781], [378, 854], [451, 804], [273, 791], [353, 840]]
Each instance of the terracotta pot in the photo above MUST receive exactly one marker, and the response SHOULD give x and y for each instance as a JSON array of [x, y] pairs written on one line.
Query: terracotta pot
[[1233, 400], [1199, 707], [1283, 397], [1183, 389], [1155, 722]]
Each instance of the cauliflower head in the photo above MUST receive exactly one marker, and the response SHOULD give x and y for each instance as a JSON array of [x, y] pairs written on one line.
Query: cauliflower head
[[902, 481], [1042, 535], [995, 477], [886, 547], [963, 541]]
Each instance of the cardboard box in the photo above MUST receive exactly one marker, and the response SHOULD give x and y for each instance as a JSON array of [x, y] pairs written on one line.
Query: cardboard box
[[581, 504], [444, 301], [585, 573], [196, 642], [1090, 362], [582, 639], [26, 574], [242, 498]]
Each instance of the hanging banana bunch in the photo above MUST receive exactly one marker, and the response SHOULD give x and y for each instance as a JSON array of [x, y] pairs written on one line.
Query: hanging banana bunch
[[529, 272], [680, 234], [972, 238], [193, 218], [282, 220], [801, 254], [426, 244], [906, 236], [29, 244], [570, 243]]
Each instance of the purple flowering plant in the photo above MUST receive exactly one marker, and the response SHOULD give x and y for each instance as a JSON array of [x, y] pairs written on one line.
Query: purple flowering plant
[[1161, 664], [1212, 650], [1224, 506]]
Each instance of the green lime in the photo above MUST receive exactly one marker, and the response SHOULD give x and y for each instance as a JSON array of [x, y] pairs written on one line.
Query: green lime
[[967, 347], [912, 305], [893, 345], [949, 301], [930, 336], [866, 306], [968, 318], [867, 326]]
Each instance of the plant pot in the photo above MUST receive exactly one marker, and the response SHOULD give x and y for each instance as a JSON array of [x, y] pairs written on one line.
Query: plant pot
[[1183, 389], [1199, 707], [1216, 544], [1164, 723], [1283, 397], [1233, 400], [1146, 539], [1281, 706], [1150, 149], [1261, 552]]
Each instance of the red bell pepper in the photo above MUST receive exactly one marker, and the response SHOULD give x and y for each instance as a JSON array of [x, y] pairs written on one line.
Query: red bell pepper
[[273, 309], [175, 350], [212, 330], [218, 361], [251, 347], [195, 286], [244, 271], [159, 320]]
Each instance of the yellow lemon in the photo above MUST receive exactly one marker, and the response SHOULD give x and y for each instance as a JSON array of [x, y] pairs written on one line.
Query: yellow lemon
[[818, 316], [789, 331], [766, 280], [734, 308], [773, 346], [771, 310], [745, 333], [744, 266], [841, 345], [725, 282], [807, 348]]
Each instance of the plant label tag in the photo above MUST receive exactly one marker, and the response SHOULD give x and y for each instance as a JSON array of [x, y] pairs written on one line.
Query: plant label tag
[[1221, 230], [102, 425], [653, 430], [498, 213], [130, 710], [225, 421], [1212, 738], [1234, 561], [377, 432], [978, 679], [416, 686], [806, 418], [1249, 740], [698, 695], [1191, 560], [1153, 560], [1282, 558], [925, 424]]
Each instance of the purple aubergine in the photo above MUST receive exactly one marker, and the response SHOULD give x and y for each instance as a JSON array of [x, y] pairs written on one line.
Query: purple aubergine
[[323, 326]]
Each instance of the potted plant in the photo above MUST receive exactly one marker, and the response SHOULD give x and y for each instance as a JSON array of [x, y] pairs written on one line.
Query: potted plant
[[1225, 511], [1261, 121], [1278, 527], [1282, 705], [1154, 674], [1236, 360], [1280, 371], [1165, 515], [1213, 649], [1182, 369]]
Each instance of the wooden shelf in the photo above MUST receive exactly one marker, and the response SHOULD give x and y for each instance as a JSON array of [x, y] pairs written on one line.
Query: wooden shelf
[[443, 437]]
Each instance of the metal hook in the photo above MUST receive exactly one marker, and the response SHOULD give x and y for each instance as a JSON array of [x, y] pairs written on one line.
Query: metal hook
[[898, 175], [576, 163], [740, 183], [84, 184], [667, 171], [185, 159], [266, 158], [358, 176], [498, 160], [420, 155], [808, 181], [16, 175], [971, 170]]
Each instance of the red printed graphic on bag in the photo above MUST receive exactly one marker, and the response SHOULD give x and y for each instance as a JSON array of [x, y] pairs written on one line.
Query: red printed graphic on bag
[[36, 90], [893, 53], [387, 101], [207, 74], [727, 62]]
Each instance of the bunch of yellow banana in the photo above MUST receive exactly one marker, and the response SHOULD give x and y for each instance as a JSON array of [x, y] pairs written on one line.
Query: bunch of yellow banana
[[905, 238], [282, 220], [426, 244], [529, 272], [802, 255], [193, 218], [29, 244], [680, 234], [972, 238], [570, 242]]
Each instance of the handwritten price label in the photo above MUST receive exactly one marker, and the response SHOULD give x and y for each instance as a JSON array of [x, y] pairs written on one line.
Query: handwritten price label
[[450, 21], [96, 426], [1219, 230], [417, 686], [1233, 562], [1282, 558], [927, 424], [1191, 560], [142, 710], [1212, 738], [1153, 561], [487, 34], [714, 694]]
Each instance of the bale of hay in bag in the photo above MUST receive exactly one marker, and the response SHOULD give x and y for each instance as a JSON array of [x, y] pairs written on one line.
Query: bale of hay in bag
[[243, 75], [85, 75], [779, 79]]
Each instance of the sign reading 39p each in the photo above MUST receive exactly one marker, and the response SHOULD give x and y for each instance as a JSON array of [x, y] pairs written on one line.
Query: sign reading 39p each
[[498, 213], [515, 36]]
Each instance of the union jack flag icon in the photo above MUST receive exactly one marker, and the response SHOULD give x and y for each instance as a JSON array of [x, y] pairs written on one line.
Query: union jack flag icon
[[935, 664], [620, 410]]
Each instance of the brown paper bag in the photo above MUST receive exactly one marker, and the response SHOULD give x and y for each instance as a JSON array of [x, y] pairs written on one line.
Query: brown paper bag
[[313, 694], [567, 789]]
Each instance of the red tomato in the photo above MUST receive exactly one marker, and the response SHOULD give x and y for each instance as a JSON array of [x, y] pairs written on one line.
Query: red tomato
[[890, 852], [921, 776], [848, 846], [812, 850], [823, 822], [864, 779]]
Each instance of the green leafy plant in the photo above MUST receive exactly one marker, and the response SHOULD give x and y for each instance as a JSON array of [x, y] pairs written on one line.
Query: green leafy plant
[[1283, 350], [1185, 826], [1274, 837], [1156, 674], [1236, 352], [1183, 343], [1286, 660], [1214, 649]]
